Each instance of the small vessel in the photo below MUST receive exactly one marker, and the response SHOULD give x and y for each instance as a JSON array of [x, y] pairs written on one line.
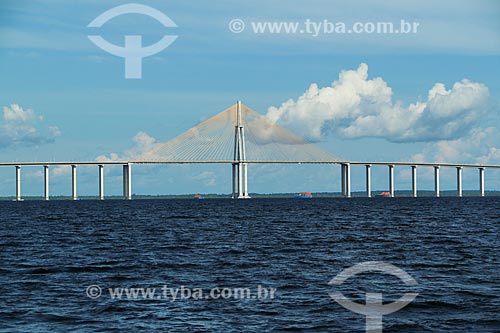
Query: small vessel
[[304, 195], [384, 194], [199, 196]]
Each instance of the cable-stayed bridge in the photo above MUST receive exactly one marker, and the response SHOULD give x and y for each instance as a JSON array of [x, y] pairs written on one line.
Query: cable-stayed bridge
[[240, 136], [237, 135]]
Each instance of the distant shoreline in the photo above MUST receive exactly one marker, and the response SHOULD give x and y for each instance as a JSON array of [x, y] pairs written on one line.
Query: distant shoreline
[[358, 194]]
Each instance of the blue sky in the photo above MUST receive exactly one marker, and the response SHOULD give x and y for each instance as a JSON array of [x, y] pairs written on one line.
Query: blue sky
[[83, 107]]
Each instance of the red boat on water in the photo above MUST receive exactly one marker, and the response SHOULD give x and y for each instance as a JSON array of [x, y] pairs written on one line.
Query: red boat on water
[[304, 195]]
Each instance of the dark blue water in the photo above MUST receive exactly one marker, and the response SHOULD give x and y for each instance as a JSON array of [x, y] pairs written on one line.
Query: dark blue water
[[52, 251]]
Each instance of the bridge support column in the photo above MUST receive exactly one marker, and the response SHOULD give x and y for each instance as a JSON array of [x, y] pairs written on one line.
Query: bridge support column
[[368, 181], [391, 180], [459, 181], [414, 181], [234, 194], [18, 183], [73, 183], [481, 182], [436, 181], [240, 180], [46, 182], [342, 178], [127, 181], [347, 180], [245, 180], [101, 182]]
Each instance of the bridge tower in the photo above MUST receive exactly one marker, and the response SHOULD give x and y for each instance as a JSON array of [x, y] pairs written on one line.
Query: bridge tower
[[240, 165]]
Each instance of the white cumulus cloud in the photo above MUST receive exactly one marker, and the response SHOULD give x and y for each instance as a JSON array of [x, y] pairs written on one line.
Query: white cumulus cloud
[[355, 106], [142, 143], [479, 146], [24, 127]]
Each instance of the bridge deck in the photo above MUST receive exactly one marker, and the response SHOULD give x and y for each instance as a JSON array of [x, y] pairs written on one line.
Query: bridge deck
[[464, 165]]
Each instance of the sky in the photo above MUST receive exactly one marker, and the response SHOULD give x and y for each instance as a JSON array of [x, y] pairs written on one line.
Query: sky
[[427, 96]]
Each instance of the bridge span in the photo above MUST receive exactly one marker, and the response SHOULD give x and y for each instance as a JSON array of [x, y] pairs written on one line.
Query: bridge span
[[240, 136]]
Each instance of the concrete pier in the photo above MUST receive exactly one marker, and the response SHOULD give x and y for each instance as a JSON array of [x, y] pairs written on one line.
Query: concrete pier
[[348, 180], [46, 182], [368, 181], [481, 182], [127, 181], [345, 179], [74, 195], [414, 181], [436, 181], [101, 182], [240, 180], [391, 180], [342, 178], [233, 179], [459, 182], [245, 180], [18, 183]]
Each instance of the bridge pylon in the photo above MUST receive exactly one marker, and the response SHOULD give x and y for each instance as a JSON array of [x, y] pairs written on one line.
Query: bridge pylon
[[239, 165]]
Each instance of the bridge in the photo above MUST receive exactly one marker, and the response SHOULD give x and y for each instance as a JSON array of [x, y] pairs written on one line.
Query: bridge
[[240, 136]]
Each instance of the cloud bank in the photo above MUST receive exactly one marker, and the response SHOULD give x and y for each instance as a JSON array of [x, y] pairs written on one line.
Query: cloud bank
[[355, 107], [479, 146], [24, 127]]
